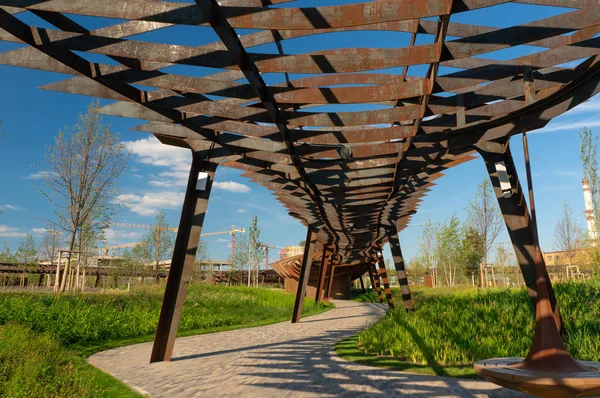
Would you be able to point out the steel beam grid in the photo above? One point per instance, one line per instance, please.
(274, 132)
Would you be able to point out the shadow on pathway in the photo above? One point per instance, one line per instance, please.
(281, 360)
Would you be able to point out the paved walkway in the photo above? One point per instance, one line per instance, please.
(280, 360)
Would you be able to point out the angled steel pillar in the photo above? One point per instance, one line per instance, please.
(384, 278)
(400, 270)
(322, 271)
(184, 255)
(362, 284)
(375, 279)
(503, 175)
(309, 249)
(330, 280)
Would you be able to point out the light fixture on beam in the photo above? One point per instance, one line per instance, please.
(202, 181)
(504, 180)
(346, 152)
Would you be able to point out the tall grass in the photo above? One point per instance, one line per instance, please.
(36, 365)
(44, 337)
(464, 327)
(92, 318)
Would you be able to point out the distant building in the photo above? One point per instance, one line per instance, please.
(556, 258)
(291, 251)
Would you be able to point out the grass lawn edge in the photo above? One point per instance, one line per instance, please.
(87, 351)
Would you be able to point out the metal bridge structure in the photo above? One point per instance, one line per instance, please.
(349, 140)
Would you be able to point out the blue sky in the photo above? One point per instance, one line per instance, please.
(156, 177)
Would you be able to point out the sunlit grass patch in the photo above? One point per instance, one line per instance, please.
(452, 328)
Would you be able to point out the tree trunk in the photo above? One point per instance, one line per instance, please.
(68, 266)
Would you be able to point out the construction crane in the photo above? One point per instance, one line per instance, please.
(267, 247)
(231, 232)
(145, 226)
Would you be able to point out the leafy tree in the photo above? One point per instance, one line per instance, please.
(255, 249)
(448, 251)
(302, 243)
(440, 248)
(588, 149)
(390, 269)
(6, 256)
(416, 270)
(51, 243)
(27, 253)
(85, 163)
(484, 217)
(471, 252)
(569, 237)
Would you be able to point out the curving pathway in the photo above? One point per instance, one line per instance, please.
(280, 360)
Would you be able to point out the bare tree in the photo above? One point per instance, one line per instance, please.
(50, 245)
(505, 261)
(255, 250)
(85, 163)
(203, 268)
(484, 217)
(240, 257)
(569, 237)
(158, 244)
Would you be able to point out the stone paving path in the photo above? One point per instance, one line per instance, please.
(280, 360)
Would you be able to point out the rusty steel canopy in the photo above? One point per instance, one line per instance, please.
(359, 168)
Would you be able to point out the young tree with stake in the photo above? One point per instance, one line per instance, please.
(85, 163)
(569, 237)
(484, 217)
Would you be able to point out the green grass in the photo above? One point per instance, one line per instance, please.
(452, 328)
(36, 365)
(74, 326)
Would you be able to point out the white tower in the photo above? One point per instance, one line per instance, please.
(589, 211)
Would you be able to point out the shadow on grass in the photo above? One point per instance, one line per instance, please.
(348, 349)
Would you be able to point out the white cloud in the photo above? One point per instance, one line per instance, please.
(151, 151)
(571, 125)
(221, 240)
(11, 207)
(11, 232)
(231, 186)
(120, 236)
(241, 210)
(39, 231)
(38, 175)
(149, 203)
(175, 178)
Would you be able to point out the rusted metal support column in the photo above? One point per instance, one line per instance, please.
(330, 280)
(322, 271)
(384, 278)
(400, 270)
(309, 249)
(375, 280)
(184, 255)
(503, 175)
